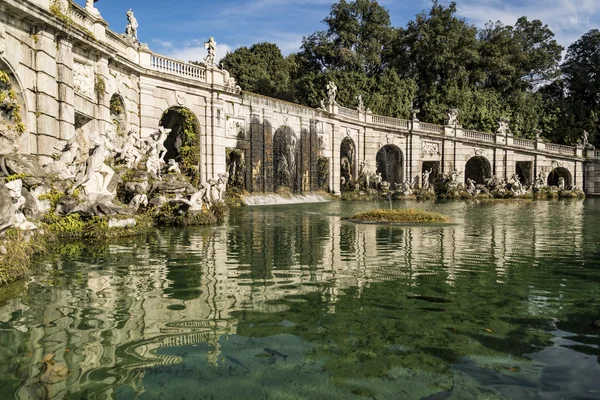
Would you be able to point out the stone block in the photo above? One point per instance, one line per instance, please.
(47, 84)
(46, 63)
(84, 105)
(47, 105)
(67, 130)
(66, 94)
(45, 144)
(64, 75)
(66, 112)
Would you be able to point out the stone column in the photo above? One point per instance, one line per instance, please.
(103, 110)
(47, 93)
(66, 94)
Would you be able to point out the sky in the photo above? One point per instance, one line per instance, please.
(179, 28)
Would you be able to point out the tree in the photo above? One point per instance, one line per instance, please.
(260, 69)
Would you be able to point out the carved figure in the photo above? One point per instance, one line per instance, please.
(222, 185)
(160, 137)
(331, 92)
(89, 6)
(132, 26)
(322, 105)
(361, 105)
(426, 179)
(153, 163)
(214, 191)
(503, 127)
(98, 174)
(15, 189)
(378, 179)
(131, 149)
(471, 188)
(538, 134)
(173, 166)
(453, 117)
(211, 46)
(414, 113)
(64, 167)
(584, 141)
(561, 183)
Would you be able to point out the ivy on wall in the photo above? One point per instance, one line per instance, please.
(9, 105)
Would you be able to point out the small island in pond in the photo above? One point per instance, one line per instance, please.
(410, 215)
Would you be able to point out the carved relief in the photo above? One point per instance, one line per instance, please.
(180, 97)
(83, 79)
(235, 128)
(478, 152)
(324, 142)
(430, 148)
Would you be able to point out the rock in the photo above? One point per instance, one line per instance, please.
(121, 223)
(158, 201)
(134, 188)
(3, 250)
(99, 208)
(20, 164)
(31, 208)
(7, 211)
(172, 187)
(65, 205)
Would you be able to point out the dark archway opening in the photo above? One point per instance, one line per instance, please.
(390, 163)
(285, 156)
(236, 167)
(524, 171)
(183, 142)
(478, 169)
(558, 173)
(118, 114)
(347, 163)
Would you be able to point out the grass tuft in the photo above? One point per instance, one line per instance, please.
(399, 216)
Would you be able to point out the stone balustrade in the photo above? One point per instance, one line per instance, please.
(560, 149)
(347, 112)
(171, 66)
(475, 135)
(389, 121)
(524, 143)
(431, 128)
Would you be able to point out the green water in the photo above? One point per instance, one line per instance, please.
(497, 305)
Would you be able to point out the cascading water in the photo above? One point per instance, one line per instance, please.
(277, 199)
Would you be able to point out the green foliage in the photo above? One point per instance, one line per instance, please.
(21, 246)
(15, 177)
(189, 152)
(9, 104)
(399, 216)
(170, 214)
(75, 226)
(323, 173)
(100, 85)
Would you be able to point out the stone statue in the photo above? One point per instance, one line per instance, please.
(64, 167)
(214, 191)
(153, 164)
(414, 113)
(426, 179)
(222, 185)
(173, 166)
(160, 137)
(378, 179)
(322, 105)
(503, 127)
(471, 188)
(211, 46)
(561, 183)
(98, 174)
(130, 153)
(331, 92)
(89, 6)
(538, 134)
(584, 141)
(15, 190)
(453, 117)
(132, 26)
(361, 105)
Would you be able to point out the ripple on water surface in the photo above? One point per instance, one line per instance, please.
(294, 302)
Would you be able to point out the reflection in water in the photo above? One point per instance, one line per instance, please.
(497, 302)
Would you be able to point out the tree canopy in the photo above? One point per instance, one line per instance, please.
(435, 62)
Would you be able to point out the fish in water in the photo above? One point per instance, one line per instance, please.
(440, 395)
(237, 362)
(275, 353)
(429, 299)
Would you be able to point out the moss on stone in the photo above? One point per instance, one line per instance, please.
(410, 215)
(20, 247)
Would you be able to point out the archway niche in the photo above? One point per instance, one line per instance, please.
(347, 162)
(13, 112)
(390, 164)
(478, 169)
(183, 142)
(524, 171)
(118, 114)
(285, 156)
(557, 173)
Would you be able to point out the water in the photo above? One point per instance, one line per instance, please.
(497, 303)
(277, 199)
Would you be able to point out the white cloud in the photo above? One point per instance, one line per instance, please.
(568, 19)
(192, 50)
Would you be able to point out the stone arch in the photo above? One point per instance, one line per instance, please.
(560, 172)
(118, 113)
(285, 158)
(183, 142)
(14, 115)
(390, 164)
(478, 169)
(347, 162)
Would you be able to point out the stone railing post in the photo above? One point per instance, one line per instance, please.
(579, 151)
(455, 131)
(369, 116)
